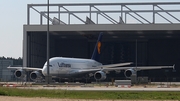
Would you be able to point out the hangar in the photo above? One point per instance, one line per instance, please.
(144, 33)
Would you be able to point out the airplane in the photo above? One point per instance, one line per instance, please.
(64, 67)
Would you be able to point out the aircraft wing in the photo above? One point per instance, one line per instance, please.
(107, 67)
(88, 70)
(153, 67)
(125, 68)
(116, 65)
(139, 68)
(25, 68)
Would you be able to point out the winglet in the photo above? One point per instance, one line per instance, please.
(174, 66)
(9, 66)
(97, 49)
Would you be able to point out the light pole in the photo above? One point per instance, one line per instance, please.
(48, 76)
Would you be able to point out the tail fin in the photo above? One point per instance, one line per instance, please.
(97, 49)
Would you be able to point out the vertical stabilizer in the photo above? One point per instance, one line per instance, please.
(97, 48)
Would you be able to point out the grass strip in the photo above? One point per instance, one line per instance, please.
(99, 95)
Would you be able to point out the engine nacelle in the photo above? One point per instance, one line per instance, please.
(100, 75)
(129, 72)
(19, 73)
(35, 75)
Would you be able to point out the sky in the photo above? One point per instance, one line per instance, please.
(13, 15)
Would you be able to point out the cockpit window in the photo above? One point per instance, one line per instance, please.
(49, 65)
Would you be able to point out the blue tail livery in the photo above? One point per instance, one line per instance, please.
(97, 49)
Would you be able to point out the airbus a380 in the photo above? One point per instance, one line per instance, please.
(71, 67)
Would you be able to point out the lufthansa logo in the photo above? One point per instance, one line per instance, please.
(64, 65)
(99, 47)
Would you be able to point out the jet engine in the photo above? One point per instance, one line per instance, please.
(100, 75)
(35, 75)
(129, 72)
(19, 73)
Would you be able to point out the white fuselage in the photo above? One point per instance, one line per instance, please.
(65, 67)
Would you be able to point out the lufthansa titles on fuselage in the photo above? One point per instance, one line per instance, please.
(64, 65)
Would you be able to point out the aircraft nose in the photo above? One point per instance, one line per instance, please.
(44, 70)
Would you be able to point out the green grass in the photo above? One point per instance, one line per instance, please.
(128, 95)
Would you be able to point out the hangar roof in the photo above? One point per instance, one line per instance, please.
(111, 31)
(117, 20)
